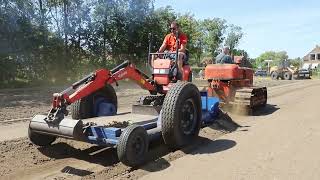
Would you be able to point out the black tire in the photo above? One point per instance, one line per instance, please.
(295, 77)
(133, 146)
(190, 77)
(83, 108)
(181, 114)
(265, 95)
(274, 75)
(287, 76)
(40, 139)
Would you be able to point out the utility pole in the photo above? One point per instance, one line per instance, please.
(268, 61)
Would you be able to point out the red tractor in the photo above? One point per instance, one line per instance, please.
(234, 86)
(96, 88)
(173, 111)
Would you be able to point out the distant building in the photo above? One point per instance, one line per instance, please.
(312, 59)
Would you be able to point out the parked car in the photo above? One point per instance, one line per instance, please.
(261, 73)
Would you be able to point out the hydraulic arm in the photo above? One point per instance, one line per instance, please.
(92, 83)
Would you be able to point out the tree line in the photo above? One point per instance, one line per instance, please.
(58, 40)
(277, 58)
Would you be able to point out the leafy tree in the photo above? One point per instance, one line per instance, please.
(296, 62)
(55, 40)
(233, 37)
(158, 25)
(191, 27)
(213, 30)
(240, 52)
(277, 58)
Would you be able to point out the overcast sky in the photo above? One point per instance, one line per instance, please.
(289, 25)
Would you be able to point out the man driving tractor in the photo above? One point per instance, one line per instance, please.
(224, 57)
(169, 44)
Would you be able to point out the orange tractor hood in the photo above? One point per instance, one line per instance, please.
(227, 72)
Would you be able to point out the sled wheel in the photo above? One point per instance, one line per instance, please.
(133, 146)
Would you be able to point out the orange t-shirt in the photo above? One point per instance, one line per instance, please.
(170, 41)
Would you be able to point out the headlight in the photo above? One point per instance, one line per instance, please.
(160, 71)
(156, 71)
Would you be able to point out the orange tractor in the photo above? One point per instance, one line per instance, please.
(234, 86)
(175, 110)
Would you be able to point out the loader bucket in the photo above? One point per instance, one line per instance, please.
(67, 128)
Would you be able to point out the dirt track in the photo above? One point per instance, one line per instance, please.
(67, 159)
(280, 143)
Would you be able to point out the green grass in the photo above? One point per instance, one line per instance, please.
(315, 75)
(197, 69)
(259, 78)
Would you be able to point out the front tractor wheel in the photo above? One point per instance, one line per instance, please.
(274, 75)
(103, 102)
(181, 114)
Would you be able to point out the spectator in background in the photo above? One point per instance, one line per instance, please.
(204, 63)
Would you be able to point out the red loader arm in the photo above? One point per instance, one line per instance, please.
(92, 83)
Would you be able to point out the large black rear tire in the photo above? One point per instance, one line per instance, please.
(133, 146)
(84, 108)
(181, 114)
(287, 76)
